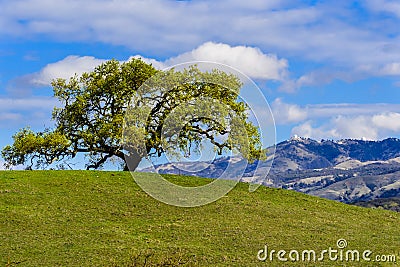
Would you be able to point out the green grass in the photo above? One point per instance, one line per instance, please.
(90, 218)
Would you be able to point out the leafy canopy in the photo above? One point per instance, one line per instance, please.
(131, 110)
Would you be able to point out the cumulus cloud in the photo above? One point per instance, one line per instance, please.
(250, 60)
(337, 121)
(156, 64)
(358, 127)
(388, 121)
(338, 128)
(307, 129)
(65, 68)
(287, 113)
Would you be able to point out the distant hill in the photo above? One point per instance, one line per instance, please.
(305, 153)
(391, 203)
(346, 170)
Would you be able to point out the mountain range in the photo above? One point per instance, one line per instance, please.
(345, 170)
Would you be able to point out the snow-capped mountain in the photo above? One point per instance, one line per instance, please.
(345, 170)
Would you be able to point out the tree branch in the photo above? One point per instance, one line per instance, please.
(99, 163)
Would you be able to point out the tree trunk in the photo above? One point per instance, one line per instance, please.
(132, 162)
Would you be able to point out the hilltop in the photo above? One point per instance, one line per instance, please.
(91, 218)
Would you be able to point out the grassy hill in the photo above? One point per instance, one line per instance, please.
(90, 218)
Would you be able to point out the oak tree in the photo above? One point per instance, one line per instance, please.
(130, 111)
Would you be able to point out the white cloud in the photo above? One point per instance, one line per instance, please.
(391, 69)
(337, 121)
(339, 128)
(65, 68)
(291, 113)
(388, 121)
(249, 60)
(156, 64)
(374, 127)
(323, 32)
(358, 127)
(307, 129)
(287, 113)
(388, 6)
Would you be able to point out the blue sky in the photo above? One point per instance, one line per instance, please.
(329, 69)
